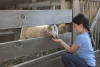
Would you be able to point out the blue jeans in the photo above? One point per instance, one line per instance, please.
(70, 60)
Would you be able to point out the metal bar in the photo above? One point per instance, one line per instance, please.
(98, 34)
(94, 0)
(20, 18)
(95, 35)
(40, 60)
(90, 0)
(95, 20)
(15, 49)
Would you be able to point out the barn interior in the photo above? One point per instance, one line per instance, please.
(11, 36)
(14, 34)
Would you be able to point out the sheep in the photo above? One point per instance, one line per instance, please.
(45, 30)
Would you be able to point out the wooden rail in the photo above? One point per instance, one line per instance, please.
(42, 61)
(53, 60)
(20, 18)
(35, 46)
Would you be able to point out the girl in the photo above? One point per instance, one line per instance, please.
(82, 46)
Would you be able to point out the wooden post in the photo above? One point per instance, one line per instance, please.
(54, 7)
(76, 7)
(76, 10)
(71, 4)
(34, 8)
(63, 4)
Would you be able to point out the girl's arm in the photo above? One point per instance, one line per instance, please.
(71, 49)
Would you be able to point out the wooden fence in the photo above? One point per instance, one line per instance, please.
(35, 47)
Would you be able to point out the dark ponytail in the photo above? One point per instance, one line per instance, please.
(81, 19)
(89, 32)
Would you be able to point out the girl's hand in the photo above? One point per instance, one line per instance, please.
(57, 40)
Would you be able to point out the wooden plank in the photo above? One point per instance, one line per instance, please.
(9, 19)
(48, 17)
(15, 49)
(44, 61)
(42, 4)
(20, 18)
(38, 4)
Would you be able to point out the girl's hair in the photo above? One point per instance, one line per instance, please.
(81, 19)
